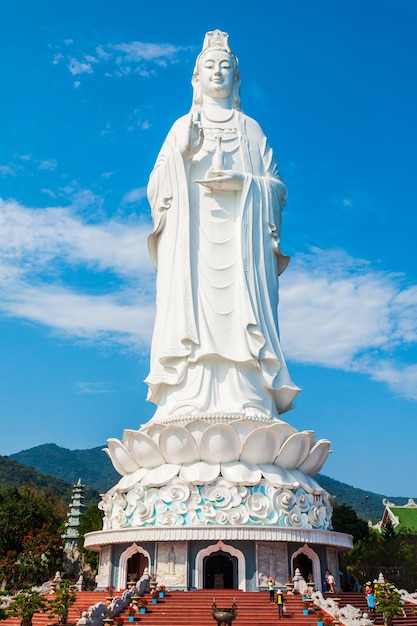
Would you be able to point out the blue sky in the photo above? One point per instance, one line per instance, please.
(89, 91)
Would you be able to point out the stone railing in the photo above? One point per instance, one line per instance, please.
(101, 611)
(347, 615)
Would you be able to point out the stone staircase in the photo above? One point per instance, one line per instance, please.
(193, 608)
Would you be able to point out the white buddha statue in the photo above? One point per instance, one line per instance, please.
(216, 198)
(216, 452)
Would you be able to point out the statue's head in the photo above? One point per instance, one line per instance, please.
(219, 41)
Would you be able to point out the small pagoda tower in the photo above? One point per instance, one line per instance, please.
(75, 510)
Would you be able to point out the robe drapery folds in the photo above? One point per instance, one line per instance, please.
(178, 342)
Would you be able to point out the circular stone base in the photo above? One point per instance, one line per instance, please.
(95, 540)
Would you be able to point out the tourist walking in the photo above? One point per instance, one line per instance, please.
(280, 603)
(331, 582)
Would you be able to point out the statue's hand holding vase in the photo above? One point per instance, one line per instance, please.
(222, 180)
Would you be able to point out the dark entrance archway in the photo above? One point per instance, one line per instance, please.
(304, 564)
(135, 566)
(220, 571)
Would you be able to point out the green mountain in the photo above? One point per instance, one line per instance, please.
(97, 473)
(92, 466)
(14, 474)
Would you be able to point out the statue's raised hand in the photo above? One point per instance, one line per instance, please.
(194, 138)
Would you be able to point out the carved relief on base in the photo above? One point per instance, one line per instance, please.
(171, 563)
(272, 560)
(104, 568)
(220, 502)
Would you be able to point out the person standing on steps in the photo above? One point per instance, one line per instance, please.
(331, 582)
(280, 603)
(271, 589)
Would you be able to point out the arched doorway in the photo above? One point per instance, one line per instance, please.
(220, 571)
(132, 561)
(135, 566)
(304, 564)
(308, 562)
(239, 564)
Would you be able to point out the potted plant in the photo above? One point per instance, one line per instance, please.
(154, 596)
(306, 606)
(118, 620)
(290, 587)
(25, 604)
(161, 590)
(132, 581)
(110, 591)
(142, 604)
(64, 598)
(328, 621)
(320, 618)
(131, 613)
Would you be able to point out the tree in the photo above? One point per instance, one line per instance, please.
(22, 510)
(25, 604)
(388, 602)
(64, 598)
(40, 556)
(345, 520)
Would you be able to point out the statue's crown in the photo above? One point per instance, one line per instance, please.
(216, 39)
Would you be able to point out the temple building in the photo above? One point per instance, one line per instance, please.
(402, 517)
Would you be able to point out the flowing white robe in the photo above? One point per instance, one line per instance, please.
(215, 346)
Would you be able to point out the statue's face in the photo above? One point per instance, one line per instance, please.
(216, 74)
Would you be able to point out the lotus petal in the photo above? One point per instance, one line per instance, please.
(160, 475)
(293, 451)
(243, 428)
(129, 480)
(219, 444)
(261, 446)
(197, 427)
(316, 458)
(200, 473)
(120, 457)
(278, 476)
(307, 483)
(241, 473)
(143, 449)
(312, 437)
(284, 430)
(178, 446)
(154, 431)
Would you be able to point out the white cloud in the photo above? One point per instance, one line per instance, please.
(127, 57)
(338, 312)
(7, 170)
(79, 67)
(109, 318)
(48, 164)
(33, 239)
(93, 387)
(138, 51)
(134, 196)
(43, 247)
